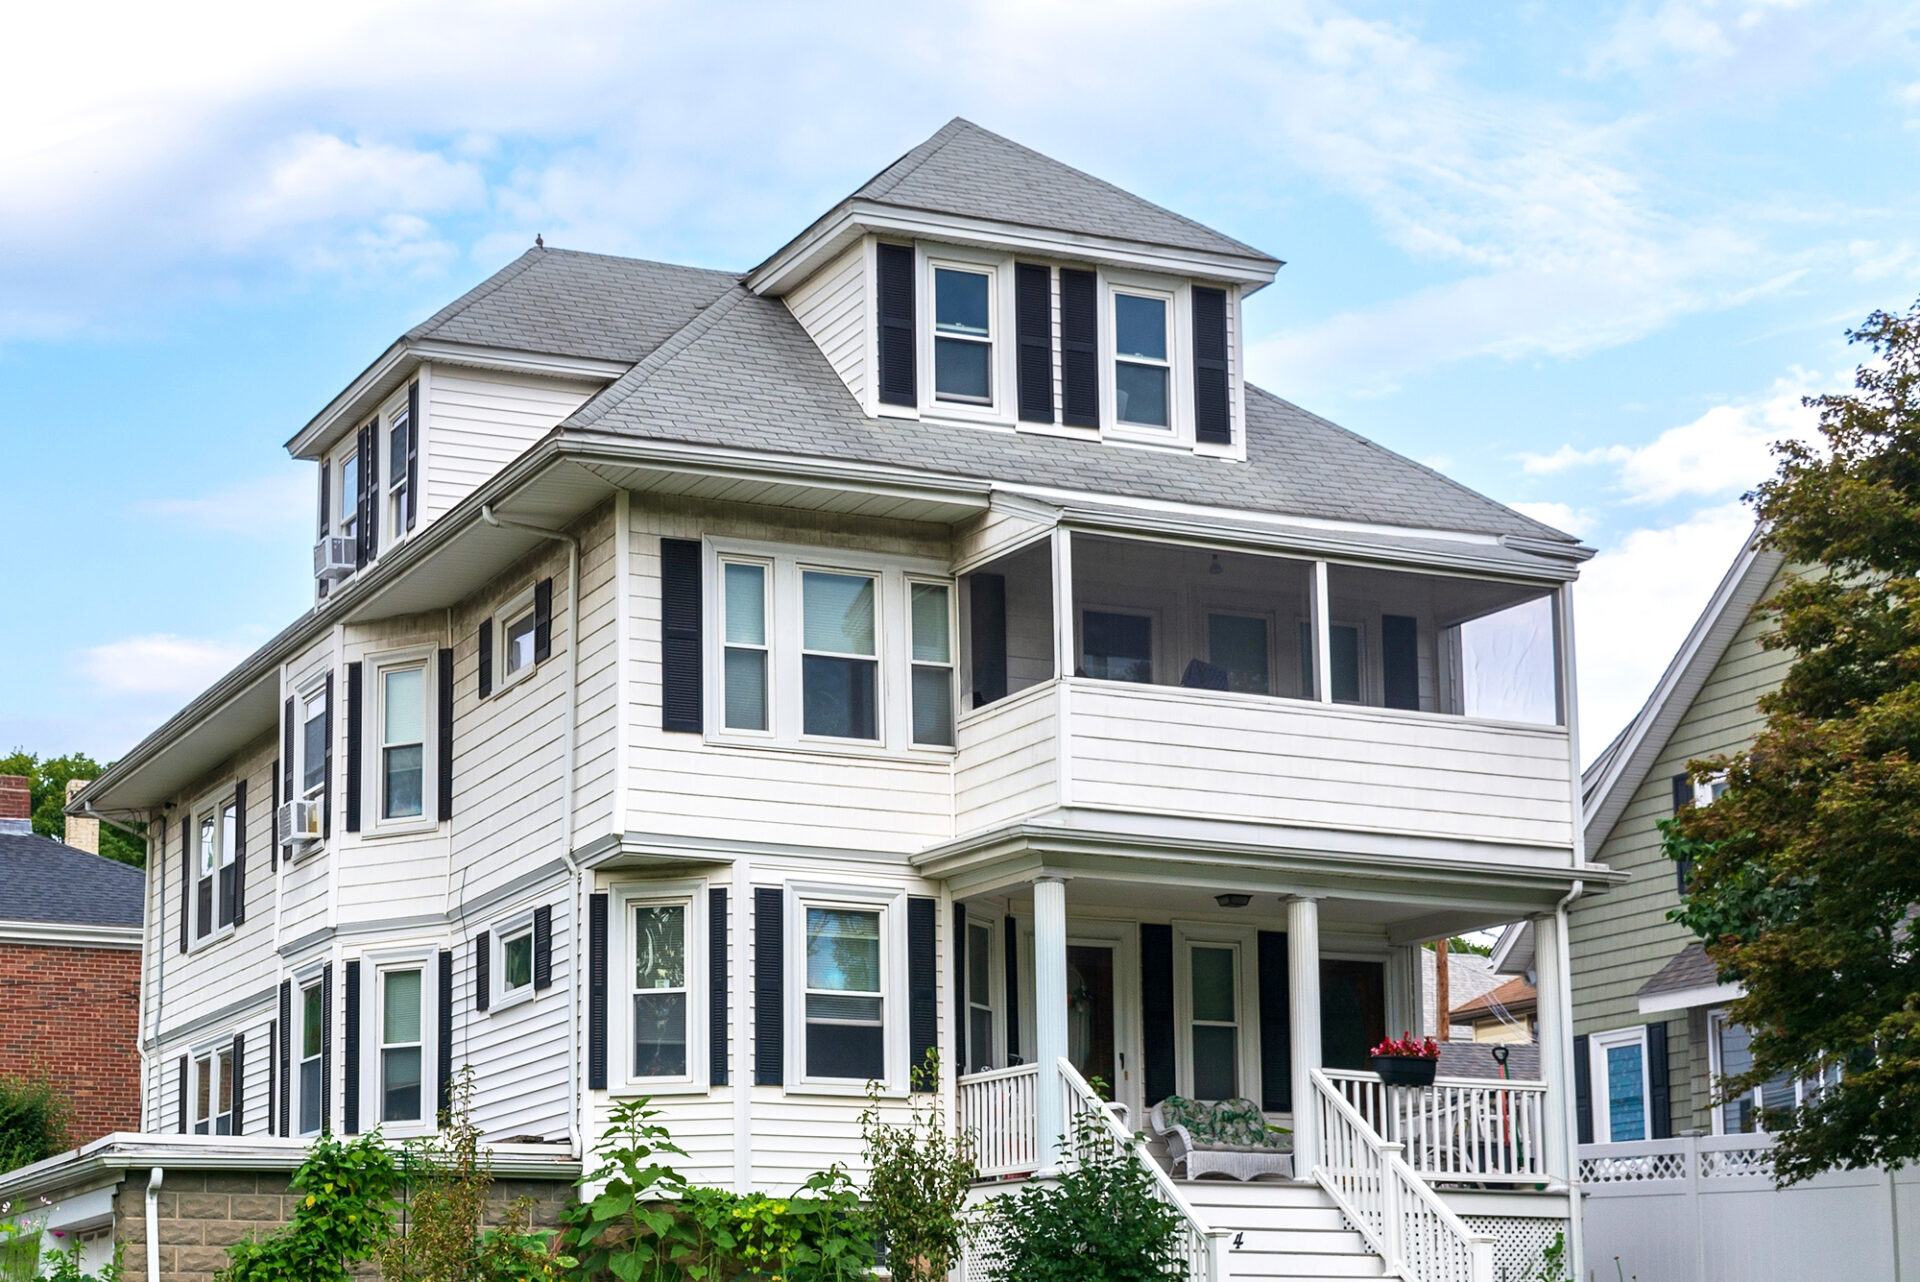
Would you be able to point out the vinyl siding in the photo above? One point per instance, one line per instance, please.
(1620, 940)
(831, 305)
(479, 421)
(1008, 764)
(518, 1052)
(597, 716)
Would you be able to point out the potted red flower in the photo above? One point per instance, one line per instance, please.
(1406, 1060)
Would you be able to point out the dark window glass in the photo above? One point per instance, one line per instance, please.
(1116, 647)
(1238, 643)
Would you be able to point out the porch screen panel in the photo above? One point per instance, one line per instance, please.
(1353, 1011)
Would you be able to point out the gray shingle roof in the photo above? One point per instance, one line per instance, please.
(565, 303)
(746, 375)
(45, 880)
(1690, 968)
(968, 171)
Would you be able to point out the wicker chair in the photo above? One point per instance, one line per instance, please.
(1228, 1138)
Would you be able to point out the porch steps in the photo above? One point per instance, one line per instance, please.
(1288, 1230)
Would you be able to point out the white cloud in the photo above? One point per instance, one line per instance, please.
(267, 505)
(159, 664)
(1633, 605)
(1560, 516)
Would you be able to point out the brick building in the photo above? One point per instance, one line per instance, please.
(69, 966)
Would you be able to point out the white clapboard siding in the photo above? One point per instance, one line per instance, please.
(518, 1052)
(478, 421)
(596, 731)
(831, 305)
(1009, 762)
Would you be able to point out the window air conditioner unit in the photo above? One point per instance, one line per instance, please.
(333, 558)
(299, 823)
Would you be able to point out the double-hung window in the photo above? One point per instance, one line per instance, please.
(213, 1090)
(399, 496)
(1618, 1072)
(313, 743)
(217, 834)
(1765, 1107)
(402, 762)
(963, 335)
(1142, 367)
(931, 607)
(746, 586)
(839, 668)
(1213, 974)
(402, 1048)
(658, 941)
(313, 1082)
(845, 993)
(347, 503)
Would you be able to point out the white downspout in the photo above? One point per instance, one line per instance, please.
(1569, 1116)
(153, 1223)
(576, 1098)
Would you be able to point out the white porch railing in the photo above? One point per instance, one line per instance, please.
(1460, 1128)
(1395, 1210)
(1203, 1249)
(997, 1111)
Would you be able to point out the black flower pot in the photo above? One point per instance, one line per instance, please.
(1405, 1070)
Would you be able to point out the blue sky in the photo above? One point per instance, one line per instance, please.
(1583, 258)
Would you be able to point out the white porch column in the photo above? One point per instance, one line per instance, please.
(1050, 1012)
(1303, 1027)
(1556, 1042)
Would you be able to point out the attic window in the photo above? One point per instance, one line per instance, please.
(1141, 370)
(962, 336)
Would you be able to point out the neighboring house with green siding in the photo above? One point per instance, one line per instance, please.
(1646, 999)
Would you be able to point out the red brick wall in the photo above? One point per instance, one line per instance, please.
(75, 1013)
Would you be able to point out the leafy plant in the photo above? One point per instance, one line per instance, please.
(1100, 1220)
(918, 1181)
(64, 1266)
(347, 1211)
(47, 787)
(34, 1119)
(20, 1242)
(1554, 1266)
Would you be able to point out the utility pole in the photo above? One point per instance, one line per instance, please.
(1442, 992)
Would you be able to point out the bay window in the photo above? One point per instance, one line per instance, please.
(661, 947)
(963, 335)
(660, 991)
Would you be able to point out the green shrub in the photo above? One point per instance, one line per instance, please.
(1100, 1220)
(917, 1184)
(34, 1119)
(345, 1213)
(64, 1266)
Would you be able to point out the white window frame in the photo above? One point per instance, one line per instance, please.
(1176, 294)
(373, 1100)
(302, 984)
(499, 996)
(992, 341)
(208, 1059)
(1002, 372)
(1244, 941)
(345, 515)
(878, 658)
(1156, 638)
(1803, 1090)
(396, 496)
(519, 605)
(1597, 1046)
(1239, 606)
(892, 906)
(312, 692)
(1710, 789)
(213, 806)
(765, 649)
(952, 663)
(995, 1003)
(374, 822)
(893, 651)
(692, 895)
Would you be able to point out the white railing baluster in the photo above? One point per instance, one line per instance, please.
(1459, 1128)
(996, 1110)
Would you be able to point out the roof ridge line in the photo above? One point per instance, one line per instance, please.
(643, 369)
(945, 134)
(512, 271)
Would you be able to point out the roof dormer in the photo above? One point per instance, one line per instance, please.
(979, 282)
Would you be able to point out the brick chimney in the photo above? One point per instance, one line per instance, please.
(16, 806)
(83, 832)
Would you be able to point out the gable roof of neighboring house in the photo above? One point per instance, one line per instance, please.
(43, 880)
(971, 172)
(1690, 979)
(1515, 997)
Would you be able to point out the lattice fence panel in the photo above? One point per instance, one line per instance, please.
(1725, 1163)
(1633, 1170)
(1520, 1243)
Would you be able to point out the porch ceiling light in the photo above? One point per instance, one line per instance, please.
(1233, 899)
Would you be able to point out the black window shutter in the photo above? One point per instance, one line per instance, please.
(273, 1076)
(987, 626)
(483, 970)
(350, 1052)
(1582, 1090)
(542, 620)
(326, 1049)
(371, 467)
(1276, 1041)
(326, 478)
(961, 1062)
(443, 1104)
(1682, 798)
(444, 774)
(240, 852)
(1033, 331)
(484, 665)
(1013, 992)
(1156, 1010)
(360, 549)
(717, 985)
(893, 265)
(1079, 348)
(413, 452)
(923, 990)
(680, 644)
(355, 693)
(597, 992)
(273, 819)
(1400, 661)
(186, 877)
(769, 997)
(1212, 412)
(286, 766)
(326, 786)
(1659, 1085)
(542, 948)
(239, 1083)
(283, 1080)
(185, 1068)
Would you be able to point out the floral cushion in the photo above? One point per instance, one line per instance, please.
(1232, 1121)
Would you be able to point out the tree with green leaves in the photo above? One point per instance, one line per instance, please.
(48, 781)
(1806, 872)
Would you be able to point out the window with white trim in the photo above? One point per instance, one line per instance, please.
(516, 961)
(312, 1080)
(963, 306)
(1617, 1070)
(661, 949)
(1213, 973)
(401, 1043)
(216, 836)
(400, 497)
(515, 627)
(347, 499)
(213, 1091)
(312, 772)
(931, 608)
(839, 655)
(845, 992)
(982, 995)
(1709, 790)
(1142, 325)
(1766, 1106)
(744, 658)
(403, 753)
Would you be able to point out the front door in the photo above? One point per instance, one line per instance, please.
(1091, 975)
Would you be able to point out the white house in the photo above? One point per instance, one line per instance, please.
(729, 687)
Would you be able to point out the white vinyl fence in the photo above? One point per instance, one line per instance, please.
(1705, 1210)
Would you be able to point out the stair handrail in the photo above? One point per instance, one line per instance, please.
(1206, 1246)
(1398, 1213)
